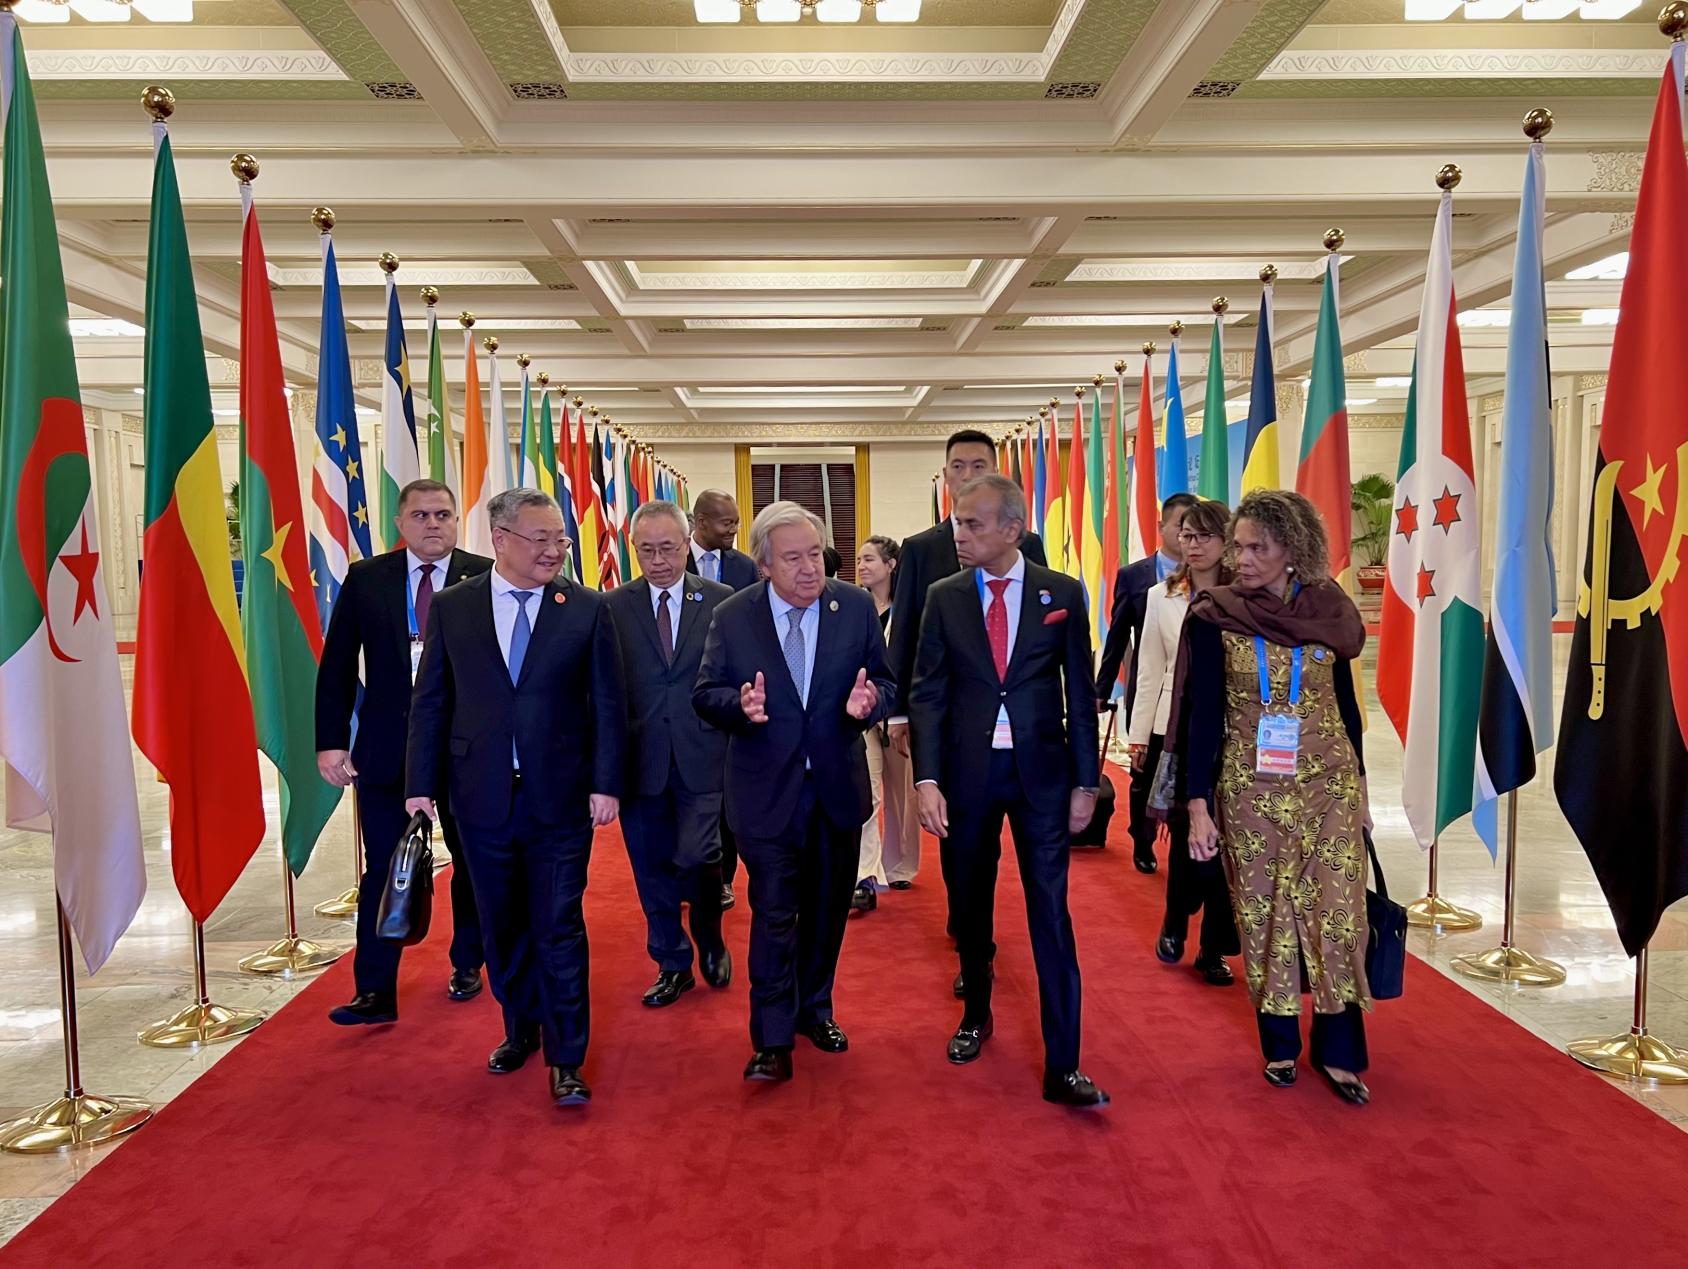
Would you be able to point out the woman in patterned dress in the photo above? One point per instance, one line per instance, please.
(1277, 786)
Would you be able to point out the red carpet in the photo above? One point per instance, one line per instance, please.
(317, 1146)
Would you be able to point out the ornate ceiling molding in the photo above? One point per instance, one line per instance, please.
(1461, 63)
(297, 64)
(1616, 171)
(355, 275)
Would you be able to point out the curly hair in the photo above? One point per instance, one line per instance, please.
(1294, 523)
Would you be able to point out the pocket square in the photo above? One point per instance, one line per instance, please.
(1055, 618)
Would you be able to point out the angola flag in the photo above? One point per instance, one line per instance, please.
(278, 613)
(193, 708)
(1621, 772)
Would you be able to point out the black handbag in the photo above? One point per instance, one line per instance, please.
(1094, 835)
(407, 900)
(1386, 944)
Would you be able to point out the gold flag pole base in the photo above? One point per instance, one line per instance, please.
(202, 1022)
(66, 1123)
(291, 955)
(1511, 965)
(1634, 1055)
(343, 907)
(1433, 912)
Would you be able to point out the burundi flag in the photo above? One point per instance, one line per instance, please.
(1430, 653)
(1145, 506)
(193, 706)
(62, 729)
(480, 465)
(442, 442)
(278, 613)
(1621, 771)
(400, 461)
(1175, 456)
(1215, 479)
(339, 504)
(1260, 447)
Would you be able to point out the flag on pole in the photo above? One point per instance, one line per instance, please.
(1057, 521)
(609, 555)
(1146, 507)
(569, 485)
(1078, 471)
(1098, 497)
(1515, 719)
(1215, 479)
(530, 474)
(278, 615)
(1323, 475)
(627, 499)
(1621, 771)
(503, 467)
(1040, 481)
(1115, 499)
(62, 728)
(442, 441)
(193, 707)
(1260, 448)
(479, 462)
(1175, 474)
(546, 433)
(400, 459)
(1430, 653)
(339, 512)
(591, 515)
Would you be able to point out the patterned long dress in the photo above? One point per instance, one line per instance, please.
(1292, 846)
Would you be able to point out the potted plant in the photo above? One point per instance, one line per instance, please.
(1373, 499)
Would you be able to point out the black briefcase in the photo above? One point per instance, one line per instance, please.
(1386, 942)
(1095, 834)
(407, 901)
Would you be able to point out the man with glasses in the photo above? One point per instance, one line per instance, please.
(671, 815)
(518, 711)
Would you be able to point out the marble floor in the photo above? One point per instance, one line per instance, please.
(1561, 914)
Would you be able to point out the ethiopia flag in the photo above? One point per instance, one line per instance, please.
(1621, 773)
(193, 708)
(278, 610)
(1430, 653)
(62, 730)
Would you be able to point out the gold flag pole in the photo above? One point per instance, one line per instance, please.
(201, 1022)
(1433, 912)
(1636, 1054)
(79, 1118)
(1506, 963)
(344, 906)
(290, 954)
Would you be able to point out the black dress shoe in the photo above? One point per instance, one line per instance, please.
(864, 900)
(960, 987)
(969, 1040)
(1351, 1091)
(827, 1036)
(567, 1088)
(1214, 970)
(717, 967)
(669, 986)
(727, 898)
(1072, 1088)
(902, 885)
(465, 984)
(367, 1009)
(1169, 949)
(770, 1065)
(1146, 863)
(1280, 1076)
(512, 1055)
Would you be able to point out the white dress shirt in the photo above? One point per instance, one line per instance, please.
(505, 607)
(414, 578)
(676, 594)
(1012, 597)
(810, 625)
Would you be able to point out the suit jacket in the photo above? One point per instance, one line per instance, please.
(370, 618)
(738, 570)
(1157, 655)
(566, 714)
(927, 557)
(664, 731)
(765, 760)
(956, 694)
(1131, 601)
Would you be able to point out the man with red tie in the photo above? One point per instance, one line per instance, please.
(1002, 714)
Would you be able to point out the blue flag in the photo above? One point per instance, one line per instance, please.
(1174, 473)
(339, 516)
(1040, 479)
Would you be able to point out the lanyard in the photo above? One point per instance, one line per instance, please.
(410, 605)
(1265, 680)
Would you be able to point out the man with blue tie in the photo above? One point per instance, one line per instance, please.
(518, 711)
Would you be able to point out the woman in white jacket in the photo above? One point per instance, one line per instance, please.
(1191, 885)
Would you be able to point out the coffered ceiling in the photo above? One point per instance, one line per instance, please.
(900, 227)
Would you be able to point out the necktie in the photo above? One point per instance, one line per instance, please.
(520, 634)
(795, 656)
(665, 628)
(996, 625)
(424, 597)
(712, 566)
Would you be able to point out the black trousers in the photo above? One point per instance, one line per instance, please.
(375, 965)
(1143, 828)
(530, 879)
(674, 846)
(1040, 844)
(1339, 1039)
(800, 888)
(1195, 885)
(729, 854)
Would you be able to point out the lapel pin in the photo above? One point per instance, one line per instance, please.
(558, 598)
(1043, 598)
(833, 606)
(696, 596)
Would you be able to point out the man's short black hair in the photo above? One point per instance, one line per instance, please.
(1177, 502)
(968, 436)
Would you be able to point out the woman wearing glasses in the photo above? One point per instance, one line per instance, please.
(1192, 885)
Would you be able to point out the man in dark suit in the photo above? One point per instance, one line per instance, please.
(381, 615)
(1004, 715)
(794, 672)
(928, 557)
(518, 711)
(715, 526)
(671, 815)
(1131, 601)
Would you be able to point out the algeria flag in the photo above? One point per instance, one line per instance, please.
(1430, 653)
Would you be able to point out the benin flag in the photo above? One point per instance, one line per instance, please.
(278, 606)
(62, 729)
(1215, 479)
(1323, 474)
(1621, 773)
(193, 708)
(1430, 654)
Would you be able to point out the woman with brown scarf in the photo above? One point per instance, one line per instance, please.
(1268, 737)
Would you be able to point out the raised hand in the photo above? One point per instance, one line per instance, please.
(864, 697)
(753, 699)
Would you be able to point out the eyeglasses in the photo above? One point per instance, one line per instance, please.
(659, 551)
(541, 541)
(1196, 539)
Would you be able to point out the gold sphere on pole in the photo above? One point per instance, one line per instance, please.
(1220, 305)
(322, 218)
(1043, 411)
(523, 360)
(543, 379)
(389, 262)
(579, 401)
(1054, 403)
(1333, 239)
(490, 343)
(1079, 392)
(1119, 366)
(1176, 329)
(466, 319)
(592, 410)
(1673, 20)
(1097, 379)
(430, 295)
(563, 392)
(1539, 122)
(1148, 348)
(245, 168)
(1448, 176)
(1268, 273)
(158, 101)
